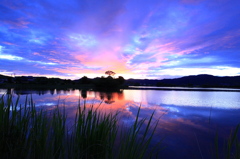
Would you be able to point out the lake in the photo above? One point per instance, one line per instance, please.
(189, 118)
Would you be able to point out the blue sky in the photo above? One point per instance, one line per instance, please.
(135, 38)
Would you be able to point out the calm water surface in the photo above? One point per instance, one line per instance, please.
(188, 123)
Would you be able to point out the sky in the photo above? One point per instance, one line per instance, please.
(152, 39)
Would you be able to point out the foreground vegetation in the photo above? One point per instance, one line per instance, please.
(232, 146)
(29, 132)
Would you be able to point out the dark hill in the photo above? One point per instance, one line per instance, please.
(202, 81)
(141, 82)
(2, 76)
(190, 81)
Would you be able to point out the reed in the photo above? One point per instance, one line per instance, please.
(232, 146)
(131, 145)
(29, 132)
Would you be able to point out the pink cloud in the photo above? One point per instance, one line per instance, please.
(36, 53)
(191, 1)
(7, 43)
(17, 24)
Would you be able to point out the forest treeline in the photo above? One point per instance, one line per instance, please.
(111, 82)
(107, 83)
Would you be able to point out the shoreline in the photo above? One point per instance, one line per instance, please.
(92, 87)
(184, 89)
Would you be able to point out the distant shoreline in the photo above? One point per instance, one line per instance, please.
(92, 87)
(184, 89)
(46, 86)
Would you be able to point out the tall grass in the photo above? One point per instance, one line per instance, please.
(131, 146)
(26, 132)
(232, 146)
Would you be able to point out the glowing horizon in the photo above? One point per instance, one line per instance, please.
(136, 39)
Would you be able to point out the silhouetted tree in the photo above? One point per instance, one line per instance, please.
(120, 80)
(110, 73)
(85, 80)
(108, 83)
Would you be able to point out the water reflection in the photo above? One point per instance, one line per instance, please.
(218, 99)
(188, 119)
(84, 94)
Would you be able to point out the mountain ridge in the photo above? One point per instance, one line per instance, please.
(202, 80)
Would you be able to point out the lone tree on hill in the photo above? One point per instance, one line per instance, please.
(110, 73)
